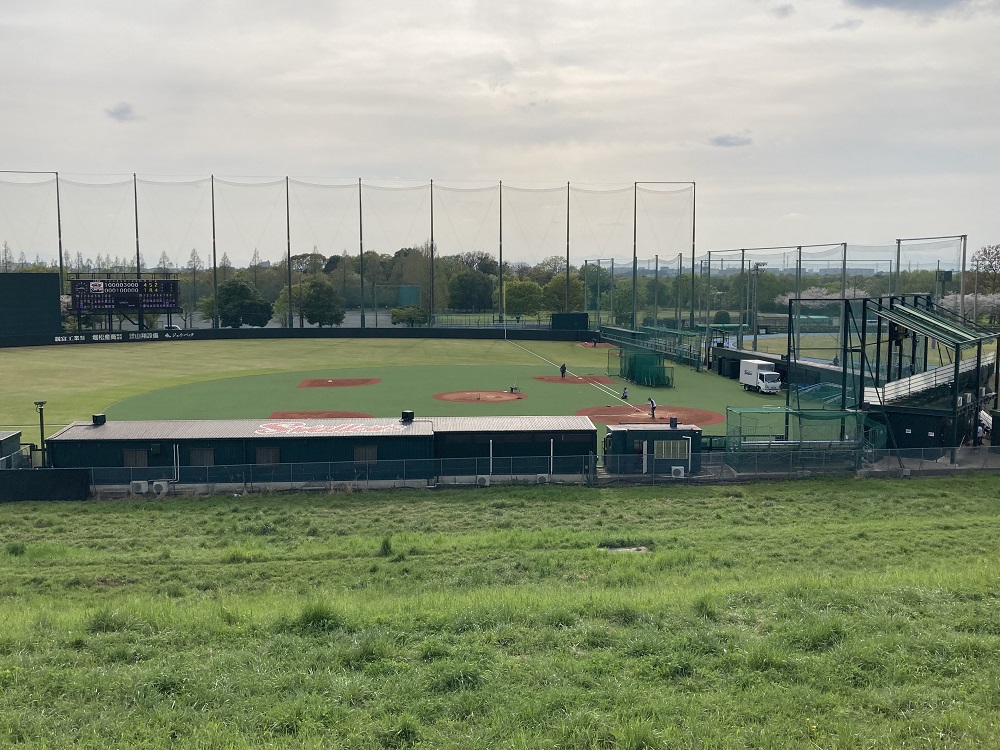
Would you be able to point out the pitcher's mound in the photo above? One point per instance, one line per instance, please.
(625, 414)
(318, 415)
(581, 380)
(337, 382)
(488, 397)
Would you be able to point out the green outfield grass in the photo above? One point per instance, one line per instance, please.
(252, 379)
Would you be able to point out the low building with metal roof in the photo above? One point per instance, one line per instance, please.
(297, 451)
(141, 444)
(542, 446)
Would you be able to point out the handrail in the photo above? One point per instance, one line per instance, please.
(922, 381)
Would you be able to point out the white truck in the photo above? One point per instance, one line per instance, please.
(759, 375)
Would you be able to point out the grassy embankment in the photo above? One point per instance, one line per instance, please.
(812, 614)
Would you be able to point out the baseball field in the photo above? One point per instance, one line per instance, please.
(832, 613)
(297, 378)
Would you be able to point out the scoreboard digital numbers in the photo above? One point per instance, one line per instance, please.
(152, 295)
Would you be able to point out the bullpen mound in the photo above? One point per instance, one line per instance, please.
(487, 397)
(337, 382)
(318, 414)
(576, 380)
(639, 414)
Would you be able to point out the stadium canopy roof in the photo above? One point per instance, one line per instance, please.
(935, 322)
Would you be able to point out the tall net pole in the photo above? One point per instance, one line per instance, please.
(693, 223)
(500, 305)
(432, 256)
(677, 286)
(138, 256)
(961, 281)
(215, 268)
(288, 253)
(59, 235)
(567, 246)
(361, 250)
(635, 262)
(656, 290)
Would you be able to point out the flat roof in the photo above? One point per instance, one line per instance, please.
(651, 427)
(511, 424)
(214, 429)
(236, 429)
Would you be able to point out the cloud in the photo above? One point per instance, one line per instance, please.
(849, 24)
(730, 140)
(784, 11)
(923, 7)
(122, 112)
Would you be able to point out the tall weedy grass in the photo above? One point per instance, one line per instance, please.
(820, 613)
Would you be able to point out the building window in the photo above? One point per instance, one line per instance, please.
(202, 457)
(268, 455)
(134, 459)
(671, 449)
(366, 453)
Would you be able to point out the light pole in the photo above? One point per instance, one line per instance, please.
(40, 408)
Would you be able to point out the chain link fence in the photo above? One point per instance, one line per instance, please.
(716, 467)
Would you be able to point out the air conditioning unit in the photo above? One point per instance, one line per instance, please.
(139, 486)
(483, 481)
(542, 479)
(677, 472)
(161, 488)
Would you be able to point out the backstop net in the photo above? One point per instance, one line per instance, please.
(761, 428)
(641, 366)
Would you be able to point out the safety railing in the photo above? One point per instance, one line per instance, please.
(19, 459)
(924, 381)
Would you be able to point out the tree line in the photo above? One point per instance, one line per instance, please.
(323, 287)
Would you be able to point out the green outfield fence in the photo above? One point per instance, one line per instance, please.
(227, 334)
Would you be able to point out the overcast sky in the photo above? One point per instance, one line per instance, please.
(801, 122)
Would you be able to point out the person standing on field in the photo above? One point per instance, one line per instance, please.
(562, 370)
(652, 408)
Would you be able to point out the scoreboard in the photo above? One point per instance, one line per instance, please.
(151, 295)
